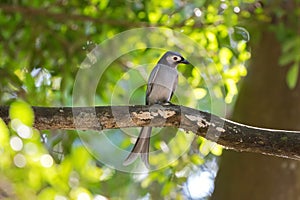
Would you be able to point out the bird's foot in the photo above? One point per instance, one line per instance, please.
(168, 103)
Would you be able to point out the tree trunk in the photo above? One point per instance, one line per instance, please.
(264, 101)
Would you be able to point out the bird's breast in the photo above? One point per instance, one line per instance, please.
(163, 84)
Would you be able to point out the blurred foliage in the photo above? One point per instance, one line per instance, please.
(42, 46)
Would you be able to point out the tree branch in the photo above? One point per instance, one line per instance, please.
(63, 17)
(229, 134)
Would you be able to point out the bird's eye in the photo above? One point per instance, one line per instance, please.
(176, 58)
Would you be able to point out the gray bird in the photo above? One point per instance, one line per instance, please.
(160, 88)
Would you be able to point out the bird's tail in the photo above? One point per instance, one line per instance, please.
(141, 147)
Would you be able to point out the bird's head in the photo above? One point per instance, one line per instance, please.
(172, 59)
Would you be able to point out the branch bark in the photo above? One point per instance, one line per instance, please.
(227, 133)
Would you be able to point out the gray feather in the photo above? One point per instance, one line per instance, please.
(141, 147)
(160, 88)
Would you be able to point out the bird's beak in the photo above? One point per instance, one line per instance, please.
(185, 62)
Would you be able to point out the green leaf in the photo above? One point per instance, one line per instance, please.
(4, 136)
(287, 58)
(22, 111)
(289, 44)
(292, 75)
(217, 150)
(196, 159)
(167, 188)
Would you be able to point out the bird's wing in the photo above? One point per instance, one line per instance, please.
(174, 87)
(151, 81)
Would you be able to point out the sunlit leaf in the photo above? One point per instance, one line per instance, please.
(20, 110)
(205, 147)
(47, 193)
(196, 159)
(4, 136)
(80, 193)
(167, 188)
(225, 56)
(217, 150)
(200, 93)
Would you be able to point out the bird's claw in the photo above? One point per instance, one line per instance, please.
(168, 103)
